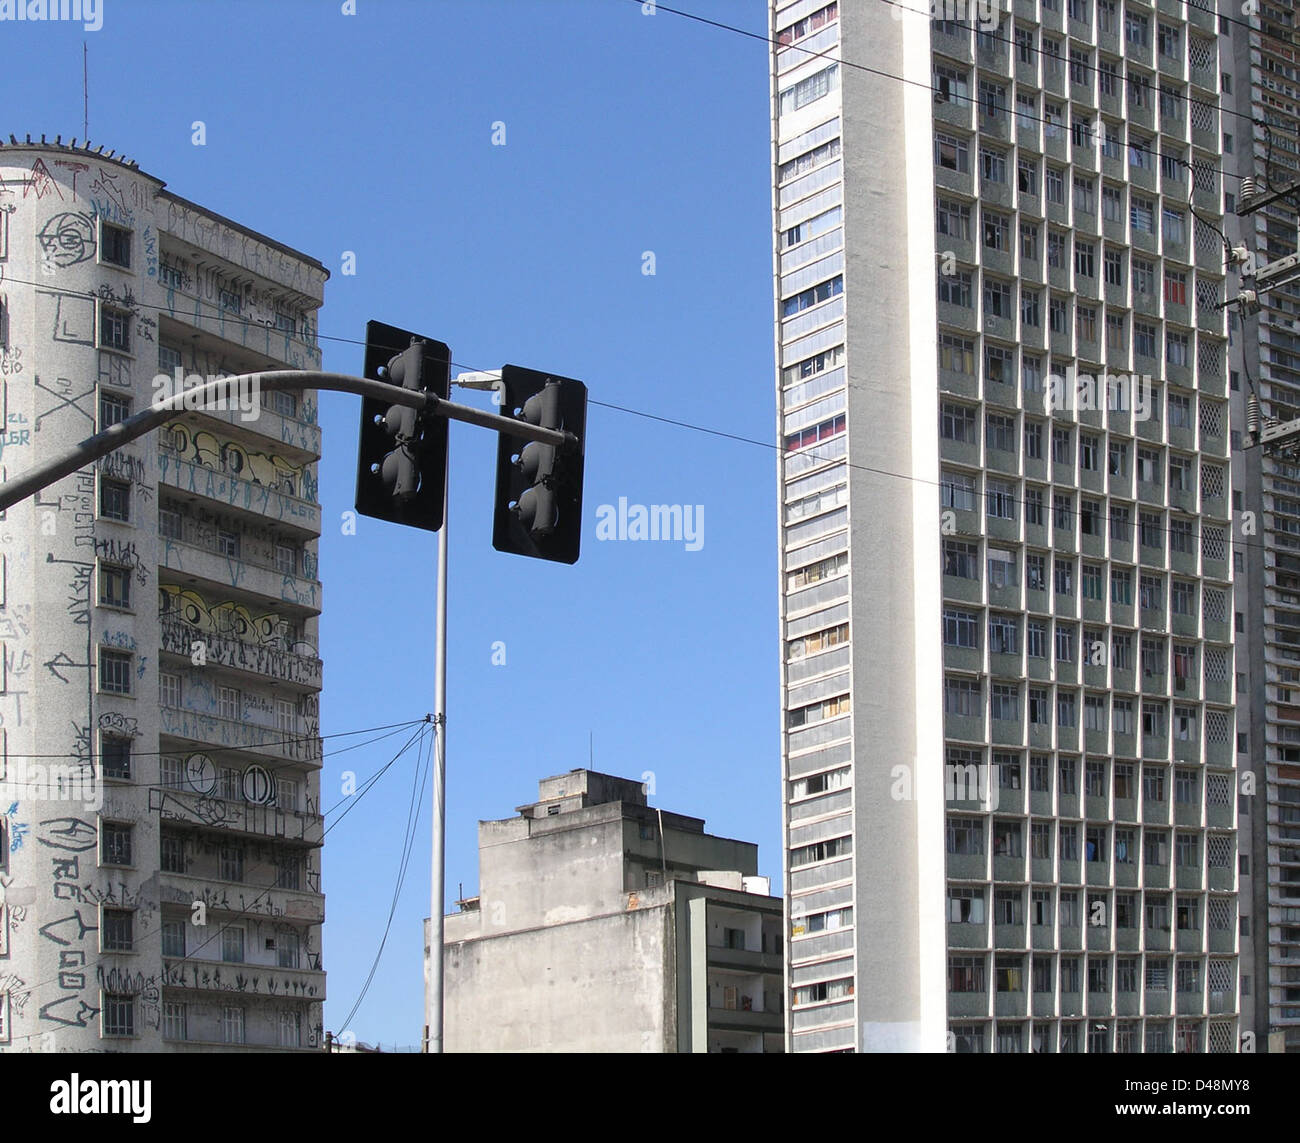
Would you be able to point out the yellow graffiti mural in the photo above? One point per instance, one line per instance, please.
(230, 619)
(268, 469)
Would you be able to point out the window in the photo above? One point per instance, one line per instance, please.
(808, 90)
(1005, 703)
(114, 329)
(812, 296)
(965, 974)
(1034, 506)
(117, 1013)
(1056, 185)
(174, 1020)
(1031, 304)
(966, 906)
(1069, 914)
(228, 704)
(1113, 270)
(169, 524)
(1033, 440)
(997, 230)
(232, 863)
(1035, 572)
(956, 355)
(957, 423)
(1001, 499)
(114, 672)
(172, 854)
(114, 499)
(113, 409)
(291, 1029)
(232, 1023)
(997, 298)
(288, 872)
(115, 844)
(287, 949)
(957, 489)
(117, 930)
(821, 851)
(169, 689)
(114, 586)
(951, 153)
(1121, 517)
(993, 165)
(1000, 432)
(1039, 709)
(965, 836)
(952, 84)
(1002, 568)
(1055, 250)
(173, 938)
(961, 697)
(232, 944)
(115, 756)
(114, 245)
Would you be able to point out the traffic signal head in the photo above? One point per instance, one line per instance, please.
(539, 486)
(402, 461)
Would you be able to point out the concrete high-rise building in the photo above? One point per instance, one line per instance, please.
(160, 749)
(605, 925)
(1262, 139)
(1010, 746)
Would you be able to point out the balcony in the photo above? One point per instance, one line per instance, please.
(248, 900)
(720, 956)
(257, 660)
(223, 572)
(248, 980)
(232, 492)
(209, 730)
(264, 822)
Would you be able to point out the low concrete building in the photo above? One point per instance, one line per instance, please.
(605, 925)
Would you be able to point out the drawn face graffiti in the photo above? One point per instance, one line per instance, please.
(68, 238)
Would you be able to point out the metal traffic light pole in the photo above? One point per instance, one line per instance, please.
(437, 904)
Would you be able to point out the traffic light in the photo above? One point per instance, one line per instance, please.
(539, 486)
(402, 460)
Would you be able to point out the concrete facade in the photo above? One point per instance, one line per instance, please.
(603, 925)
(159, 743)
(1007, 591)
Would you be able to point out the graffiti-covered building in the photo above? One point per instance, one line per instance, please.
(160, 821)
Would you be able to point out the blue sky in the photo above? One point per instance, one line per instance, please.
(624, 133)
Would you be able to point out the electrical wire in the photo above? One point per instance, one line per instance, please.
(412, 821)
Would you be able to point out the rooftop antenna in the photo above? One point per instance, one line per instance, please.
(85, 93)
(591, 750)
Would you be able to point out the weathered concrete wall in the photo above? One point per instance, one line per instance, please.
(594, 985)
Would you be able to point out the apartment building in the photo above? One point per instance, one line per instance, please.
(605, 925)
(159, 742)
(1008, 593)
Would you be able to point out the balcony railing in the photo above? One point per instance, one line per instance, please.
(207, 812)
(249, 900)
(209, 730)
(253, 980)
(256, 659)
